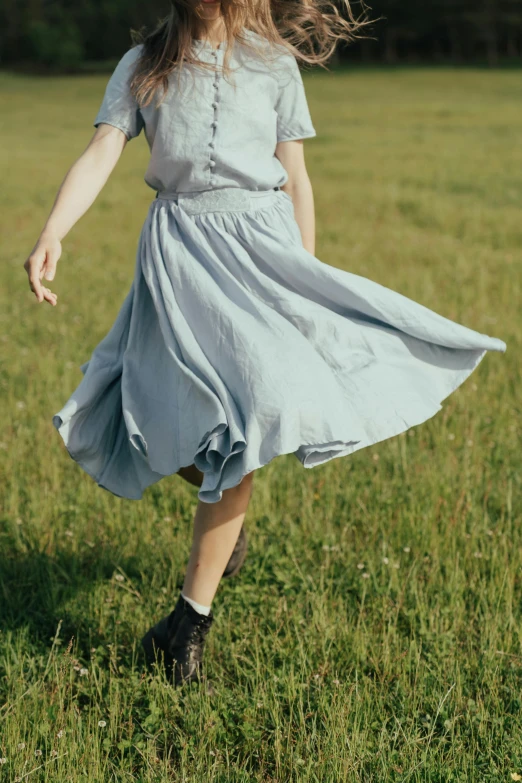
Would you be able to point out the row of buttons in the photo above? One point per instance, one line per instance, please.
(215, 84)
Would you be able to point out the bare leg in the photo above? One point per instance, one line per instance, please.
(216, 530)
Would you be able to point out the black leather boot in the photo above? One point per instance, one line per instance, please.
(178, 642)
(238, 556)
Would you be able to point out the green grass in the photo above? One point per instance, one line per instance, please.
(331, 664)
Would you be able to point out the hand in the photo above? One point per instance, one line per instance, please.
(42, 261)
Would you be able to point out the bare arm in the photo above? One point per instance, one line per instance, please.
(78, 191)
(299, 187)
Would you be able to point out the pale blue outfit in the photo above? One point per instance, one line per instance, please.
(234, 344)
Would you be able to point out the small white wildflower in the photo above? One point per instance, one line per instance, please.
(20, 404)
(21, 745)
(316, 676)
(375, 457)
(259, 704)
(489, 532)
(102, 724)
(3, 760)
(167, 519)
(366, 575)
(60, 733)
(54, 753)
(406, 549)
(69, 533)
(385, 560)
(336, 682)
(76, 668)
(211, 753)
(469, 442)
(84, 672)
(477, 554)
(360, 565)
(119, 578)
(38, 753)
(396, 565)
(451, 436)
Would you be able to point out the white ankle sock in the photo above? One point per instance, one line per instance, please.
(198, 607)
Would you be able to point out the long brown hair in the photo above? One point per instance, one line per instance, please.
(309, 29)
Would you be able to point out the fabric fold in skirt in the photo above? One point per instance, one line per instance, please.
(235, 345)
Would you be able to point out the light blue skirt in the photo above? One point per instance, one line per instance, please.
(235, 345)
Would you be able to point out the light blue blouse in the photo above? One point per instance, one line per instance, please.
(211, 132)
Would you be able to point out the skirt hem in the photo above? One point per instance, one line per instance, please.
(332, 449)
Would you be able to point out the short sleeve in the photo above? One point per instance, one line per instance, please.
(293, 114)
(119, 107)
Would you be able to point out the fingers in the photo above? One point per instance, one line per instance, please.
(50, 297)
(42, 262)
(41, 292)
(33, 266)
(44, 294)
(35, 285)
(49, 268)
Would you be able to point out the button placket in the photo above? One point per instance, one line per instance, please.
(214, 123)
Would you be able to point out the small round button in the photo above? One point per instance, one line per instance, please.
(214, 124)
(211, 144)
(215, 104)
(215, 84)
(212, 163)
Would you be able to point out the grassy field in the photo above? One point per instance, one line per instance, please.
(374, 633)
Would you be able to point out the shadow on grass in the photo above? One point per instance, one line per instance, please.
(75, 588)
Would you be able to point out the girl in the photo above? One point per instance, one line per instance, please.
(234, 344)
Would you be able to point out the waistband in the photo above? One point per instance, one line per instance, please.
(222, 199)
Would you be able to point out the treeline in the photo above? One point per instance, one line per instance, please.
(64, 34)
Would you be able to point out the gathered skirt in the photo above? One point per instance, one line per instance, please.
(235, 345)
